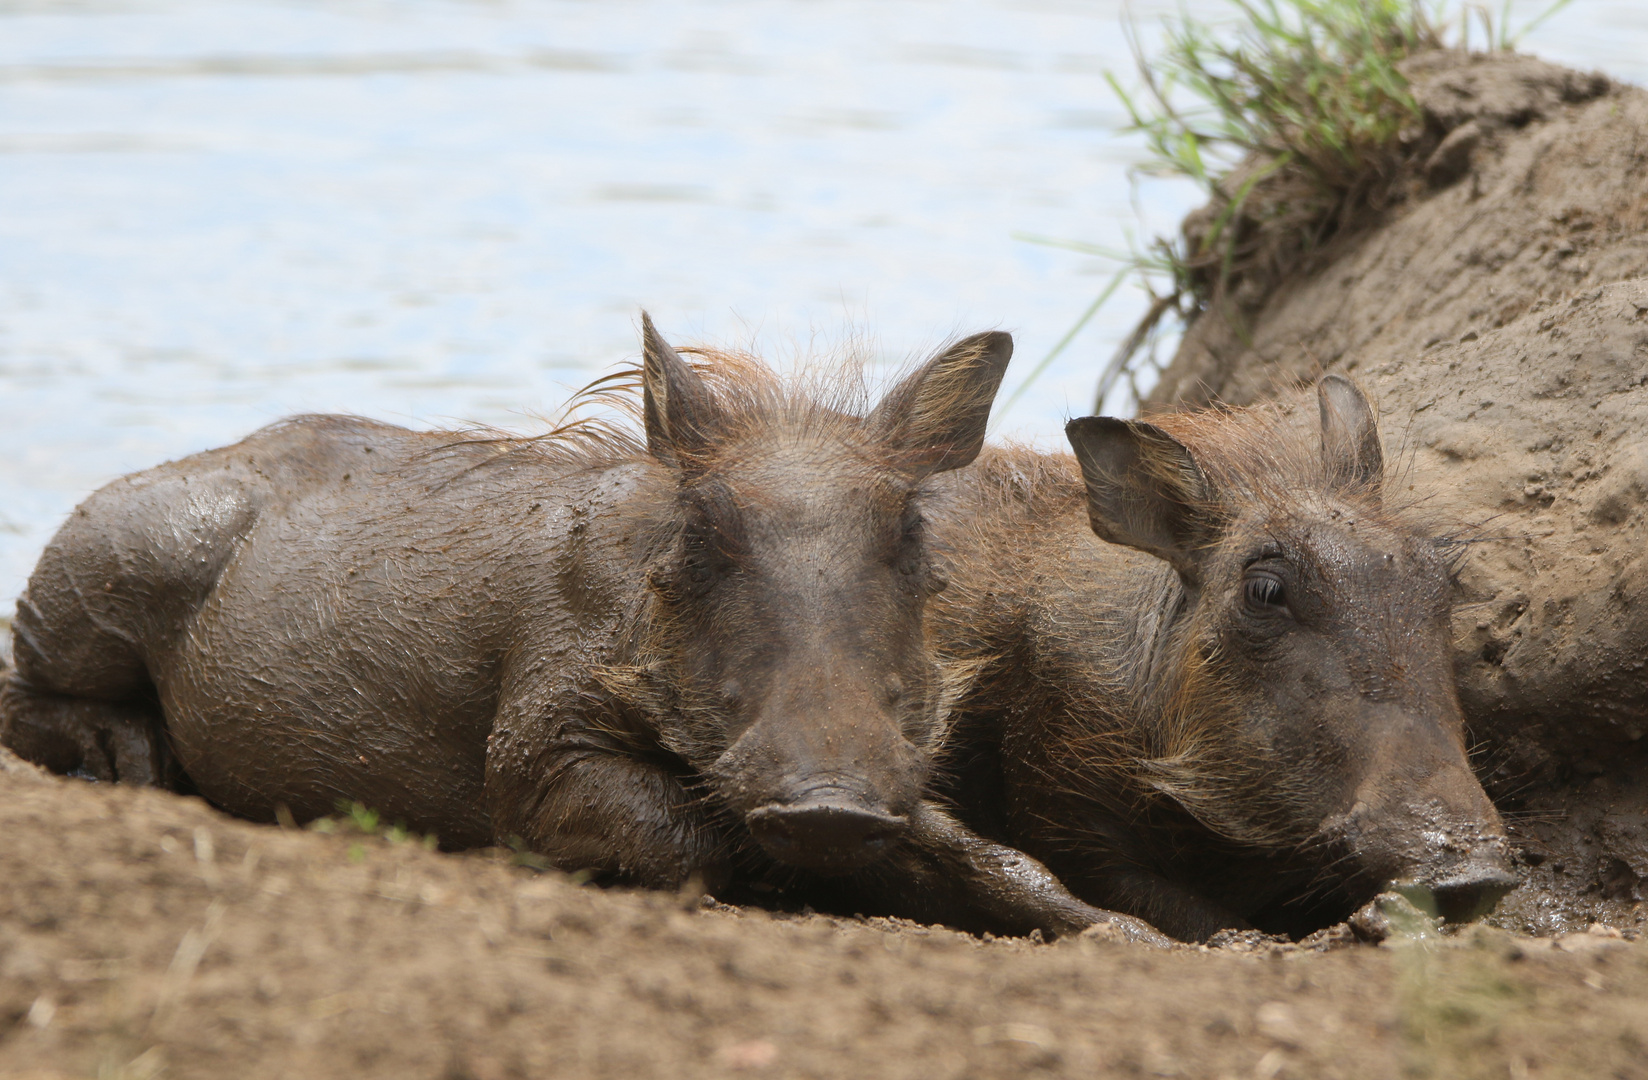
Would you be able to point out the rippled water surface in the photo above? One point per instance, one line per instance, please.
(215, 213)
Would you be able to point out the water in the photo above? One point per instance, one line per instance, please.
(214, 213)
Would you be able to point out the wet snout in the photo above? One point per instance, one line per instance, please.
(1463, 867)
(823, 788)
(1421, 825)
(829, 828)
(1469, 892)
(1453, 867)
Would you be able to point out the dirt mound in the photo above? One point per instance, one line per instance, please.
(143, 934)
(1499, 313)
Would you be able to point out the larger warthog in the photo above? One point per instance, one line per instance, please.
(698, 655)
(1237, 708)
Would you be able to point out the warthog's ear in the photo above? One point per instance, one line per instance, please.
(1144, 490)
(679, 409)
(935, 418)
(1350, 435)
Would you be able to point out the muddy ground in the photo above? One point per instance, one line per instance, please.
(1496, 307)
(143, 934)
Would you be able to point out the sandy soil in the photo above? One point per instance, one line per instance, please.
(143, 934)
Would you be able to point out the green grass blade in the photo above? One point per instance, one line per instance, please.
(1064, 343)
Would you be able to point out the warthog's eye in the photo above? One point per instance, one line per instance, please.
(908, 554)
(712, 537)
(1264, 594)
(704, 560)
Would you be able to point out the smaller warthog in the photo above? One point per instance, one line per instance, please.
(701, 655)
(1237, 708)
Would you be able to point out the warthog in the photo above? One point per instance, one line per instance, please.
(1237, 709)
(701, 655)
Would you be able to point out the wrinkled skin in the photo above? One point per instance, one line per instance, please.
(1235, 709)
(703, 658)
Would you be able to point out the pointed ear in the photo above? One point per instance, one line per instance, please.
(935, 418)
(1350, 435)
(1144, 490)
(679, 409)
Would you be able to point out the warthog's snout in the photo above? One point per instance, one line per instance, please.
(1469, 892)
(829, 829)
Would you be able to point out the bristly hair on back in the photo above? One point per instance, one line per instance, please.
(1265, 454)
(601, 423)
(1270, 452)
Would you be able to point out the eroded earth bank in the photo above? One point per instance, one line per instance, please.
(1497, 311)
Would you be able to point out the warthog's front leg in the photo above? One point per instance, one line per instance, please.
(570, 791)
(1173, 907)
(99, 740)
(950, 874)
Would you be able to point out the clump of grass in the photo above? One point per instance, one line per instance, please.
(357, 819)
(1295, 124)
(1463, 1011)
(1312, 84)
(1308, 96)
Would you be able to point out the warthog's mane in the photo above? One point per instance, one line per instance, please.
(826, 399)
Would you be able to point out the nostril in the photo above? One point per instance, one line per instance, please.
(1465, 895)
(831, 832)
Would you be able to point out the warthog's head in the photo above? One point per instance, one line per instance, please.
(1310, 701)
(790, 598)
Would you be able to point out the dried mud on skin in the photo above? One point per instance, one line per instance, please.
(143, 934)
(1498, 314)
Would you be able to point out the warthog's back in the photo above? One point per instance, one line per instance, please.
(325, 595)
